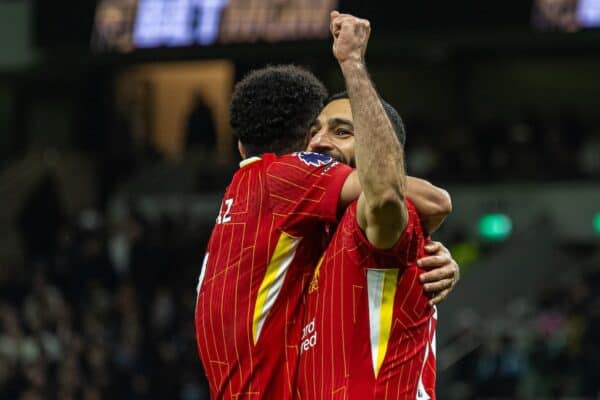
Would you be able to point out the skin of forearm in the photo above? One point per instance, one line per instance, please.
(432, 203)
(429, 200)
(379, 154)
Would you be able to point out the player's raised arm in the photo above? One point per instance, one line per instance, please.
(379, 155)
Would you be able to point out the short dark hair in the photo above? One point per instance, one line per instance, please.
(272, 108)
(391, 112)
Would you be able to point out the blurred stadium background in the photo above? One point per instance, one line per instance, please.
(115, 149)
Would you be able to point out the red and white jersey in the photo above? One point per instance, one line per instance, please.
(269, 235)
(368, 330)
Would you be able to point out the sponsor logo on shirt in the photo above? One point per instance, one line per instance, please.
(309, 337)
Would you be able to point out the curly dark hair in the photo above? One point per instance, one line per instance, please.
(389, 110)
(272, 108)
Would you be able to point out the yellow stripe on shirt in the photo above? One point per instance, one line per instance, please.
(381, 286)
(272, 283)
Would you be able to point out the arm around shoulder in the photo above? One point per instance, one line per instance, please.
(432, 203)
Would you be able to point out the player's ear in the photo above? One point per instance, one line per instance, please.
(242, 150)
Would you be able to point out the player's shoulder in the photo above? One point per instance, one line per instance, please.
(412, 209)
(350, 213)
(407, 246)
(303, 164)
(414, 221)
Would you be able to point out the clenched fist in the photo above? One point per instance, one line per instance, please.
(350, 37)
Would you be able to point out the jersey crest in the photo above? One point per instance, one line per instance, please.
(314, 159)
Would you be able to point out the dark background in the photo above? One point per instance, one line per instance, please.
(102, 232)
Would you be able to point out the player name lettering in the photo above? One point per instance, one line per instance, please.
(224, 216)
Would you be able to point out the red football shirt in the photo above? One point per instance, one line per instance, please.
(269, 235)
(368, 330)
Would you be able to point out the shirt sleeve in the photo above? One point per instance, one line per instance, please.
(406, 251)
(305, 187)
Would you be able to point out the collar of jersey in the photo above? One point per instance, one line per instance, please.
(248, 161)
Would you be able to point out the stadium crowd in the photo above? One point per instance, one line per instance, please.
(106, 312)
(546, 349)
(535, 146)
